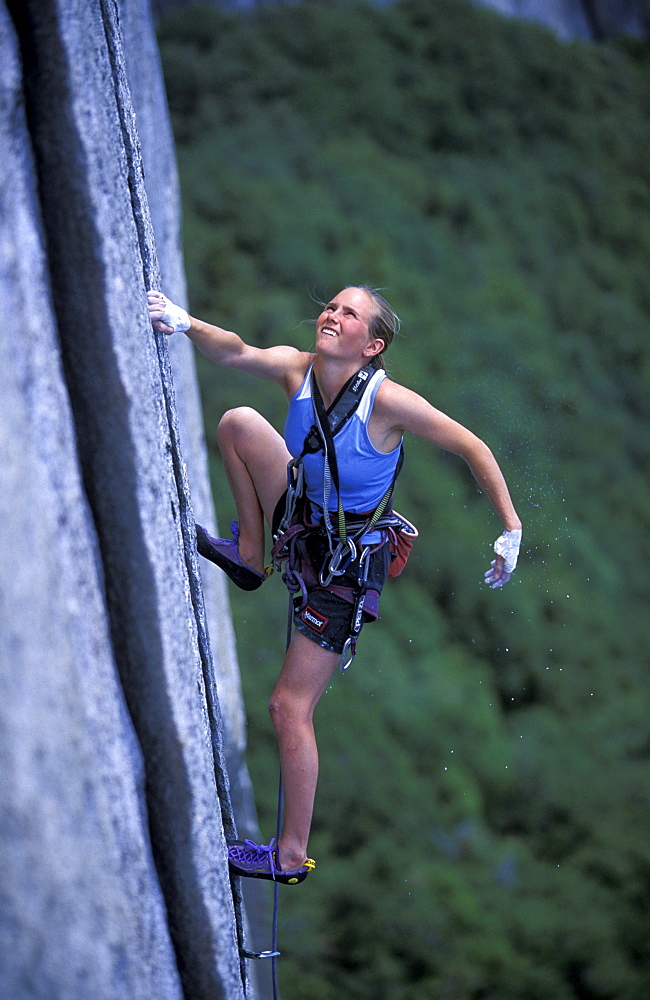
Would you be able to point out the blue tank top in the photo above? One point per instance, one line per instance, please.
(364, 473)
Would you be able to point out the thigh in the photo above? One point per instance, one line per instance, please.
(262, 450)
(306, 672)
(268, 468)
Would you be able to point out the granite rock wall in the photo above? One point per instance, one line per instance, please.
(117, 723)
(590, 20)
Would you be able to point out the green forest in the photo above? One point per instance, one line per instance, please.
(482, 825)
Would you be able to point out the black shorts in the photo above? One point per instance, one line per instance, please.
(326, 616)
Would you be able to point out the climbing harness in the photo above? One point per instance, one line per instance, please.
(348, 542)
(338, 415)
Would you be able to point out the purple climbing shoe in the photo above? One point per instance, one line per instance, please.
(225, 553)
(252, 860)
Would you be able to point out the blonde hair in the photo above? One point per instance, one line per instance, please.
(384, 325)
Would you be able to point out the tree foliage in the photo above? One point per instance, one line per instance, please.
(482, 818)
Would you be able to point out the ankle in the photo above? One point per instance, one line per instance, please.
(251, 556)
(290, 858)
(250, 551)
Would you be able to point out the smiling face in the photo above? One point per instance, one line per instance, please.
(342, 329)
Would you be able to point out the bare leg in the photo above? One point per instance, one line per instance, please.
(255, 458)
(304, 676)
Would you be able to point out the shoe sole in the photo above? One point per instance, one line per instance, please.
(285, 878)
(245, 579)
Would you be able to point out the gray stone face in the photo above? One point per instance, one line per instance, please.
(154, 129)
(114, 796)
(585, 19)
(566, 18)
(81, 912)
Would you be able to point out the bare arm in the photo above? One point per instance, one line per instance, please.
(399, 409)
(229, 350)
(284, 365)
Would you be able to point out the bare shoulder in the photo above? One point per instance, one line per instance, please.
(285, 365)
(389, 418)
(400, 410)
(297, 366)
(395, 404)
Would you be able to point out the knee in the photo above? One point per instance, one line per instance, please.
(285, 712)
(236, 422)
(277, 709)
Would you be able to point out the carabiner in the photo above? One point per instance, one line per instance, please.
(364, 566)
(245, 953)
(334, 565)
(351, 648)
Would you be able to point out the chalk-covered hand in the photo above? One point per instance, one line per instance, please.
(503, 565)
(165, 316)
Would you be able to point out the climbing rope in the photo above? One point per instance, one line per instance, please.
(273, 952)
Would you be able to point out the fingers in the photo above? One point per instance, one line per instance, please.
(497, 576)
(158, 304)
(162, 328)
(161, 310)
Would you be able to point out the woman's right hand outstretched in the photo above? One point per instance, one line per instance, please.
(165, 316)
(285, 365)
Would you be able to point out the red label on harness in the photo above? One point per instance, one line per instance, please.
(313, 619)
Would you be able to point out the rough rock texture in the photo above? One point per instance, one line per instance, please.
(154, 127)
(146, 86)
(114, 796)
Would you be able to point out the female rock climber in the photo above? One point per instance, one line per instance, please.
(336, 530)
